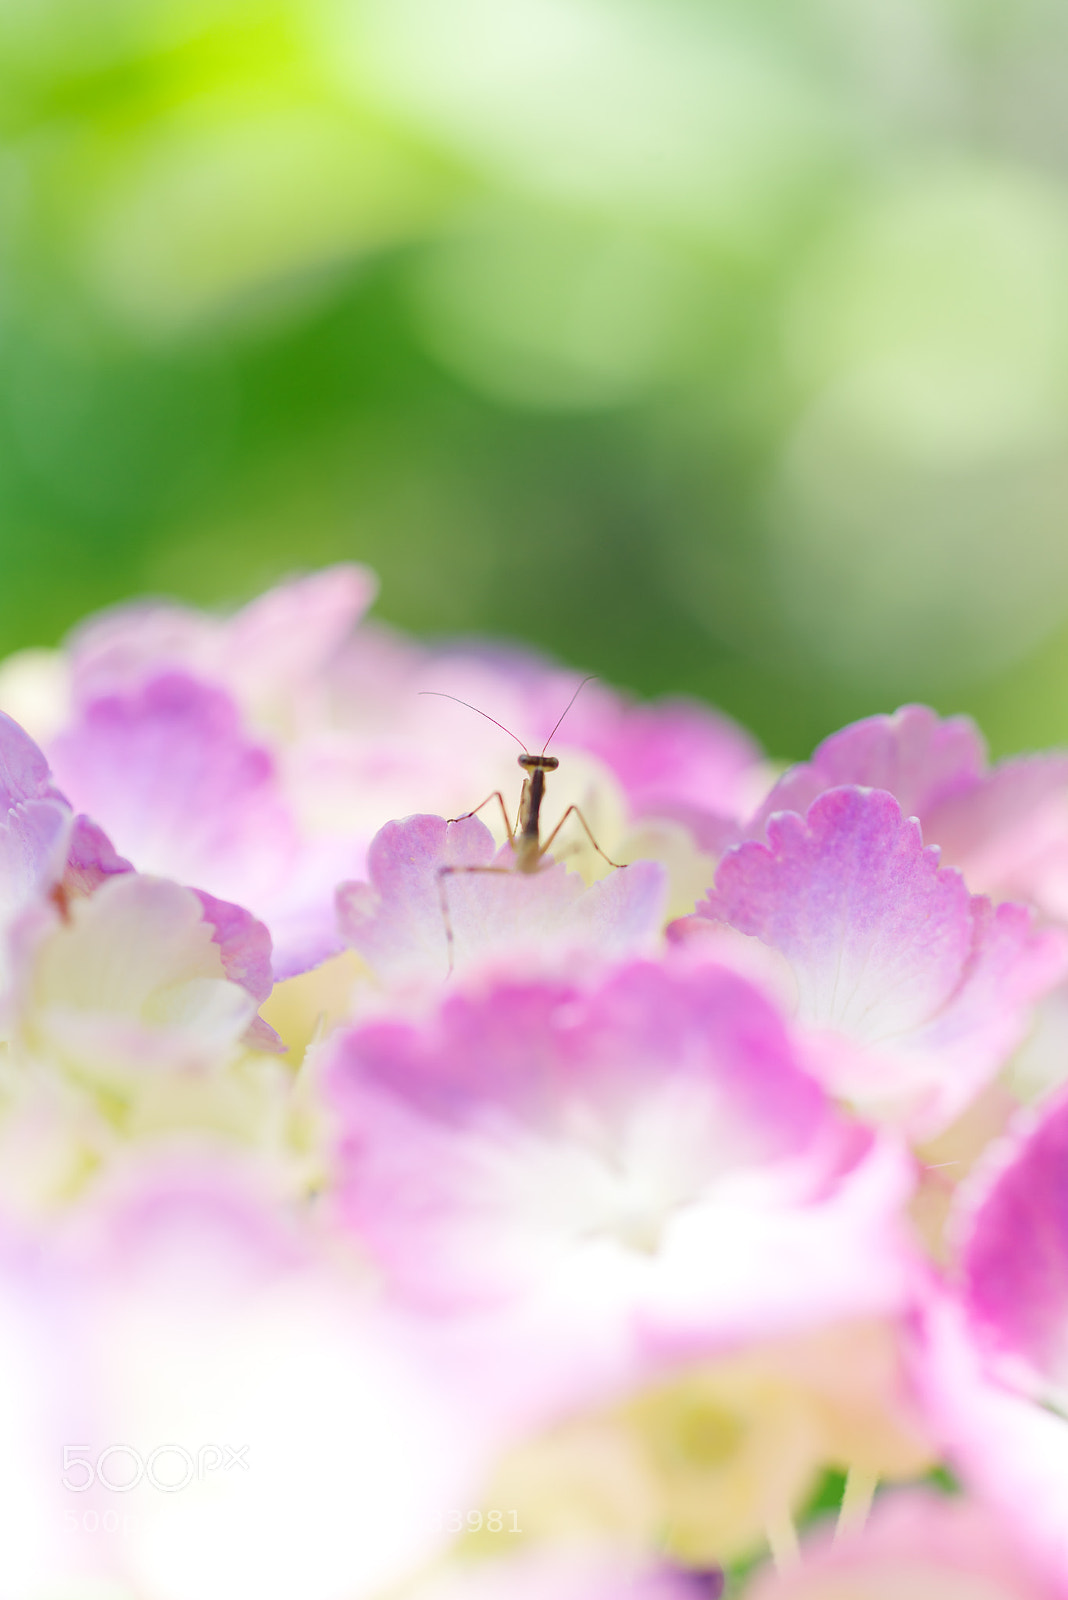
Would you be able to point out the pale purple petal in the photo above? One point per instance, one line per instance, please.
(24, 772)
(917, 757)
(117, 650)
(302, 915)
(92, 859)
(396, 921)
(169, 773)
(245, 948)
(399, 921)
(1013, 964)
(35, 820)
(927, 988)
(34, 837)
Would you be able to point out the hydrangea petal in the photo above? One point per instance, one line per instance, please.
(398, 924)
(92, 859)
(36, 826)
(926, 988)
(917, 757)
(1013, 1229)
(1005, 827)
(265, 654)
(245, 947)
(171, 774)
(276, 651)
(1009, 834)
(35, 821)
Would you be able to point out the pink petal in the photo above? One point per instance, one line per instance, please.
(1006, 828)
(398, 924)
(1014, 1254)
(1009, 834)
(288, 638)
(280, 642)
(917, 1545)
(644, 1160)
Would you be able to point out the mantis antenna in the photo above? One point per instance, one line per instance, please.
(591, 679)
(438, 695)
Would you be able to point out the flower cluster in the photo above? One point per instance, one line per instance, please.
(381, 1218)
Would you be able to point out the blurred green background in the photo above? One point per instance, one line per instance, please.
(715, 345)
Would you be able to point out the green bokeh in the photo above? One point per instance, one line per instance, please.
(714, 347)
